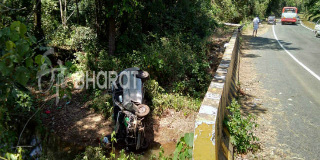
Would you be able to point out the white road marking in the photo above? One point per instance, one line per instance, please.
(294, 58)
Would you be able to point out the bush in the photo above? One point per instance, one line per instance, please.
(102, 103)
(60, 37)
(172, 62)
(79, 39)
(315, 18)
(92, 153)
(106, 62)
(82, 37)
(162, 101)
(176, 102)
(17, 70)
(241, 129)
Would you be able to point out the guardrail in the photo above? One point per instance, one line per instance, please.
(211, 140)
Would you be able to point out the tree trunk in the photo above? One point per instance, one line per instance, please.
(112, 35)
(38, 28)
(61, 12)
(65, 13)
(105, 25)
(97, 12)
(78, 20)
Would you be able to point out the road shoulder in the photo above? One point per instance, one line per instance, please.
(254, 99)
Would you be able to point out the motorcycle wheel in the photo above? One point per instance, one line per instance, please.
(142, 74)
(143, 110)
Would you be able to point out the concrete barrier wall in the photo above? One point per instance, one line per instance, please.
(211, 140)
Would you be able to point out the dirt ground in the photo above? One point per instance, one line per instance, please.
(75, 123)
(253, 95)
(253, 98)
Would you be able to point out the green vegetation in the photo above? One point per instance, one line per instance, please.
(312, 10)
(12, 156)
(102, 103)
(241, 129)
(169, 39)
(98, 153)
(184, 147)
(182, 151)
(160, 100)
(17, 67)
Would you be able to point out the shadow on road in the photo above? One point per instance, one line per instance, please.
(251, 105)
(262, 43)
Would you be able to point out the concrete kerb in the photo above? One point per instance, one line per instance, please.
(208, 133)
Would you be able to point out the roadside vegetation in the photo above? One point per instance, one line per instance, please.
(169, 39)
(241, 129)
(312, 10)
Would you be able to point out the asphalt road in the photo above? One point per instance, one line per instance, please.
(294, 84)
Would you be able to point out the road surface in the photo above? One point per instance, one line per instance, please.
(291, 73)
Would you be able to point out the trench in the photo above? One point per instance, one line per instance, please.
(163, 134)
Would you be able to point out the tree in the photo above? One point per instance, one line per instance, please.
(112, 35)
(98, 18)
(115, 10)
(78, 18)
(37, 21)
(63, 13)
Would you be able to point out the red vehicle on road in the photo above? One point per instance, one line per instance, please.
(289, 14)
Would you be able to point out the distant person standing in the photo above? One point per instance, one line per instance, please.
(256, 22)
